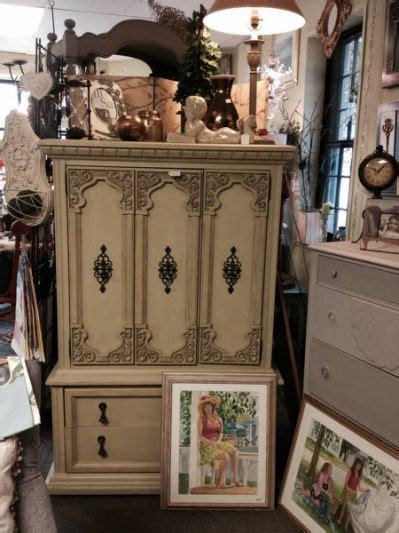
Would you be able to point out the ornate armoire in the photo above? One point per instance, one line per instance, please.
(166, 259)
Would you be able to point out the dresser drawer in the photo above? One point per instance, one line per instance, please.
(365, 279)
(359, 327)
(367, 395)
(122, 449)
(113, 407)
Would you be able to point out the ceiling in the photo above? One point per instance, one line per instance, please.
(96, 16)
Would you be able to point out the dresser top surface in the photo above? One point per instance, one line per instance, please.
(351, 250)
(78, 149)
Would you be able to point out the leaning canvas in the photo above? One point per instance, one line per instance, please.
(18, 407)
(339, 477)
(218, 440)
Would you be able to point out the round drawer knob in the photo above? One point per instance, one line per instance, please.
(325, 372)
(334, 274)
(331, 317)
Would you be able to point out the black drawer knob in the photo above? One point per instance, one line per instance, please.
(102, 451)
(103, 417)
(334, 274)
(331, 317)
(325, 372)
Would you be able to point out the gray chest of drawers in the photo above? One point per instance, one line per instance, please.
(352, 347)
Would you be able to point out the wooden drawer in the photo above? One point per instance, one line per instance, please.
(359, 327)
(367, 395)
(123, 407)
(127, 449)
(365, 279)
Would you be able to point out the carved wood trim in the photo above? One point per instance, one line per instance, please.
(81, 352)
(165, 152)
(150, 181)
(79, 179)
(148, 355)
(210, 353)
(84, 354)
(257, 183)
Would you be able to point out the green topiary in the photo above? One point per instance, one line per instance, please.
(200, 61)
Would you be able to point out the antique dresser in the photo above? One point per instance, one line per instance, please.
(166, 259)
(352, 354)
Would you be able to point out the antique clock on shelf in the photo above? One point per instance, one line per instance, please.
(378, 171)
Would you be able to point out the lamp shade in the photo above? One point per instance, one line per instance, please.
(234, 16)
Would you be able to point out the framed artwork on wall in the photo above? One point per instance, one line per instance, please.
(218, 435)
(390, 73)
(287, 50)
(226, 64)
(339, 476)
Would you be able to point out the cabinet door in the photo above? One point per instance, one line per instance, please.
(100, 235)
(167, 257)
(233, 266)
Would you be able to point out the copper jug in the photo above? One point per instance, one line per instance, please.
(152, 124)
(131, 128)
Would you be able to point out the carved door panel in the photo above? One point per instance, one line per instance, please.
(100, 234)
(232, 266)
(167, 262)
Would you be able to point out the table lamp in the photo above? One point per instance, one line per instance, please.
(254, 17)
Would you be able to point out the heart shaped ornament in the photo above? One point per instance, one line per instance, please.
(39, 85)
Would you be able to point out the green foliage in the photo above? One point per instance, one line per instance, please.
(185, 417)
(200, 61)
(235, 404)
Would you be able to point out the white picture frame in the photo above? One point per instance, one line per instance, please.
(343, 446)
(287, 50)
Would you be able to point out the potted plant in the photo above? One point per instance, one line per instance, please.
(200, 61)
(305, 132)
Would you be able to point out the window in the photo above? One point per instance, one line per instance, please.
(341, 96)
(9, 101)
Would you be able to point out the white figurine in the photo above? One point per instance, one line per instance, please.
(195, 110)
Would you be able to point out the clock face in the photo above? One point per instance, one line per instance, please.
(378, 172)
(104, 106)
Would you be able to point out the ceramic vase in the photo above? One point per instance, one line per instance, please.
(222, 112)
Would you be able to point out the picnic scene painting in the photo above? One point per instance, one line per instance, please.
(219, 444)
(338, 482)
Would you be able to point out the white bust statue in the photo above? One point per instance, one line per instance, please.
(195, 110)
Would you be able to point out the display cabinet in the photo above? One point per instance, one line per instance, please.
(352, 336)
(166, 258)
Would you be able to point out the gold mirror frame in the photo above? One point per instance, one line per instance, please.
(329, 39)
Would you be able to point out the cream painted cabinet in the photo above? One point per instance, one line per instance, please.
(166, 258)
(353, 333)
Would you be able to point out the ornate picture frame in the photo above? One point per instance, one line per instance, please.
(332, 22)
(381, 225)
(235, 410)
(390, 73)
(327, 454)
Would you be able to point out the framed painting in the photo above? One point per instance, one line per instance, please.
(339, 477)
(390, 73)
(388, 135)
(381, 225)
(218, 440)
(287, 50)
